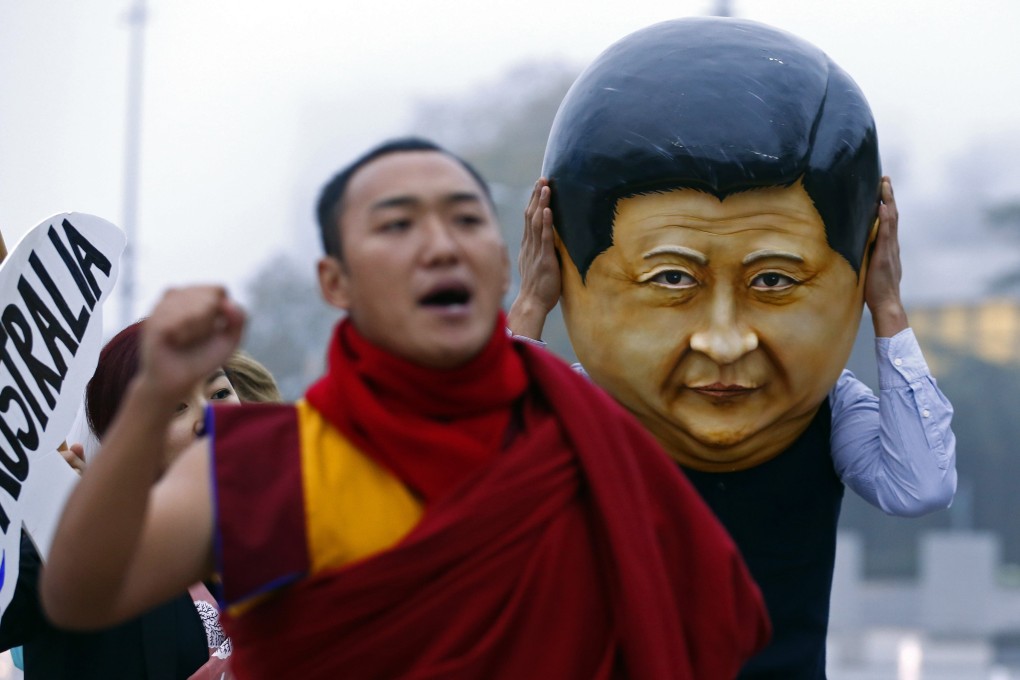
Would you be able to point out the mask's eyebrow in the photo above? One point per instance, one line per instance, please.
(688, 253)
(768, 254)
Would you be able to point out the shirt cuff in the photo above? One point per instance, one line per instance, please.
(900, 360)
(524, 338)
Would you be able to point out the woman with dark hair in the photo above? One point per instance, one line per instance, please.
(179, 639)
(118, 363)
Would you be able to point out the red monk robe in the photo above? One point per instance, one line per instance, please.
(570, 548)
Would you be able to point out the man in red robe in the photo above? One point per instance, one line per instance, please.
(445, 503)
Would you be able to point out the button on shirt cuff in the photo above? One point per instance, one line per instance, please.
(900, 360)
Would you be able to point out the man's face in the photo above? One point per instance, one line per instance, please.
(424, 266)
(721, 325)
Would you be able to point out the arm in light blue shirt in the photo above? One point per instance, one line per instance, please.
(897, 450)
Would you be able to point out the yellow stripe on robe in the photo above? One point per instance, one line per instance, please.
(354, 507)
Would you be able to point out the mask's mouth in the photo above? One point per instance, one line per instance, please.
(723, 391)
(720, 387)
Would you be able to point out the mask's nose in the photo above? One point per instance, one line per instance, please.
(723, 338)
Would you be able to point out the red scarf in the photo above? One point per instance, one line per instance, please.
(430, 427)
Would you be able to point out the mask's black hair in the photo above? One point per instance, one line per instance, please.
(718, 105)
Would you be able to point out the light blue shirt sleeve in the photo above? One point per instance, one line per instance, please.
(897, 450)
(578, 368)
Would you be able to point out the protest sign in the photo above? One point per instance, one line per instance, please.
(52, 287)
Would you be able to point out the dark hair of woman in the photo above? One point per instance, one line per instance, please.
(118, 364)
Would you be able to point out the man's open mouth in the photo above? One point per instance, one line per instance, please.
(447, 296)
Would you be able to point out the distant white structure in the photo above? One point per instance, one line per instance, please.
(956, 622)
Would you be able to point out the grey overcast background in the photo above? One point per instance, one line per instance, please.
(249, 105)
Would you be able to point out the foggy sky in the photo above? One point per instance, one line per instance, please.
(249, 106)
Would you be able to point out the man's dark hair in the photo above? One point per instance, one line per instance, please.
(717, 105)
(331, 198)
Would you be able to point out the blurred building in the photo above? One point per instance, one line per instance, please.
(938, 597)
(957, 621)
(988, 330)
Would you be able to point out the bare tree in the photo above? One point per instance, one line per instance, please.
(289, 324)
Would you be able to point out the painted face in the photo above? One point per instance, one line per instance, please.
(721, 324)
(187, 423)
(424, 266)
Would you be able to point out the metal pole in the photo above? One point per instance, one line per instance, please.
(136, 18)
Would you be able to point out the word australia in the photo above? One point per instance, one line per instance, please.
(40, 332)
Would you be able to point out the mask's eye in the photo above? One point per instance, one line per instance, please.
(180, 408)
(673, 278)
(773, 281)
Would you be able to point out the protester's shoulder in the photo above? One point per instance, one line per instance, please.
(251, 428)
(254, 409)
(251, 413)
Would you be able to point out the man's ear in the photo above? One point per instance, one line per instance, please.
(334, 282)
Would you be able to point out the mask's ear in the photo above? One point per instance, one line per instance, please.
(563, 257)
(561, 249)
(334, 283)
(868, 250)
